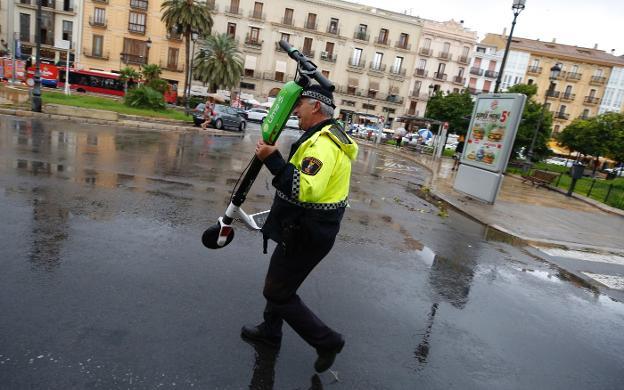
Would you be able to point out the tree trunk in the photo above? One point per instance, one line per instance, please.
(187, 39)
(596, 162)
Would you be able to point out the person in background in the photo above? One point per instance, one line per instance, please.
(458, 152)
(208, 113)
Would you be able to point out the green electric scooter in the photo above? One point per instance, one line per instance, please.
(222, 233)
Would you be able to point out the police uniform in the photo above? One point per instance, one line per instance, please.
(312, 190)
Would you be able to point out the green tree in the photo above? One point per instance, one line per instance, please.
(126, 74)
(187, 16)
(454, 108)
(151, 72)
(530, 121)
(219, 64)
(590, 137)
(615, 127)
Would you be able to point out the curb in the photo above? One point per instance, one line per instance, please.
(158, 126)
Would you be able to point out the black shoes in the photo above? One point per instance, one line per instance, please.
(326, 357)
(259, 335)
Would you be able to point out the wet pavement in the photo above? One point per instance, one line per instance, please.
(104, 282)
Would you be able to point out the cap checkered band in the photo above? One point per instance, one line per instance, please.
(318, 96)
(312, 206)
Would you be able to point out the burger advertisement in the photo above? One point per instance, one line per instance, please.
(485, 141)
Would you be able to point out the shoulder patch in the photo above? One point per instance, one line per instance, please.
(338, 133)
(311, 166)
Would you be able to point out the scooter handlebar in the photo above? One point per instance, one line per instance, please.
(307, 65)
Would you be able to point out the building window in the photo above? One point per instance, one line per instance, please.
(377, 58)
(383, 36)
(140, 4)
(67, 30)
(96, 45)
(285, 37)
(234, 4)
(403, 38)
(447, 47)
(24, 27)
(396, 67)
(257, 12)
(307, 47)
(288, 16)
(99, 16)
(356, 57)
(367, 106)
(325, 73)
(329, 48)
(172, 58)
(134, 51)
(422, 64)
(311, 21)
(333, 26)
(231, 30)
(137, 22)
(254, 35)
(427, 43)
(348, 103)
(68, 5)
(247, 85)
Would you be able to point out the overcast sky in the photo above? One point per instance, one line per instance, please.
(573, 22)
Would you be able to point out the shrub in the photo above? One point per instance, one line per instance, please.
(145, 97)
(159, 85)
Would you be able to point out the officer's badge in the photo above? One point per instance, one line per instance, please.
(311, 166)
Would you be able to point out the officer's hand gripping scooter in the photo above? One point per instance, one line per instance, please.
(220, 234)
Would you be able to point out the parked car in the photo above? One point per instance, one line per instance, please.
(222, 117)
(619, 171)
(564, 162)
(256, 114)
(292, 122)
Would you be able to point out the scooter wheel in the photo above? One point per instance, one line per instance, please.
(211, 236)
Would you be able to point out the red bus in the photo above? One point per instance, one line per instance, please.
(107, 83)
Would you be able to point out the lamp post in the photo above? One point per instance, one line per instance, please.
(187, 92)
(517, 6)
(36, 92)
(148, 44)
(554, 74)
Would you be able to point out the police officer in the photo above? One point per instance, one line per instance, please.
(312, 189)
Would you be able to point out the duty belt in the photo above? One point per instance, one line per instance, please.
(313, 206)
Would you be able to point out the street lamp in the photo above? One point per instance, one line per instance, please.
(187, 92)
(517, 6)
(148, 44)
(36, 92)
(554, 74)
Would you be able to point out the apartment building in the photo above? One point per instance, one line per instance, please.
(367, 52)
(613, 99)
(582, 83)
(60, 20)
(442, 61)
(120, 33)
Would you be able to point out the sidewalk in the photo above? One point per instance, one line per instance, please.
(537, 216)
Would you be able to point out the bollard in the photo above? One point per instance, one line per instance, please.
(608, 193)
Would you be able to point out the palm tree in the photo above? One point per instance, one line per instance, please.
(219, 64)
(187, 16)
(126, 74)
(151, 72)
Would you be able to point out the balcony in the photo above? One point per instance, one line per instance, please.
(591, 100)
(333, 29)
(257, 15)
(491, 74)
(173, 35)
(127, 58)
(403, 45)
(140, 5)
(308, 53)
(382, 40)
(172, 67)
(396, 99)
(476, 71)
(91, 54)
(574, 76)
(287, 20)
(233, 10)
(568, 96)
(329, 57)
(425, 51)
(534, 69)
(445, 56)
(97, 22)
(100, 1)
(597, 80)
(356, 63)
(397, 71)
(361, 36)
(463, 60)
(420, 72)
(440, 76)
(561, 115)
(377, 67)
(252, 42)
(459, 80)
(310, 25)
(136, 28)
(553, 94)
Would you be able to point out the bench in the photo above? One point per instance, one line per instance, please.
(540, 178)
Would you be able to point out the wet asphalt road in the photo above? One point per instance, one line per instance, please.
(104, 282)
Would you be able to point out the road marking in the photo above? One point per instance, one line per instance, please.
(584, 256)
(612, 281)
